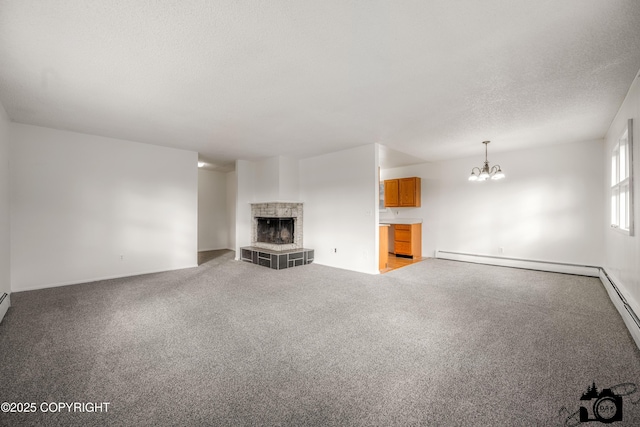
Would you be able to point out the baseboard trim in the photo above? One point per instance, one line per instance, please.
(97, 279)
(620, 302)
(5, 303)
(529, 264)
(616, 295)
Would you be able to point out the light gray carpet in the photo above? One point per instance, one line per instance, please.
(232, 343)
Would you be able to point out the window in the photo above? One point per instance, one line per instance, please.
(621, 182)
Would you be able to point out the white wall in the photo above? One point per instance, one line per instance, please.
(340, 195)
(267, 180)
(213, 229)
(5, 284)
(80, 202)
(245, 181)
(549, 207)
(622, 252)
(288, 179)
(232, 186)
(276, 179)
(266, 186)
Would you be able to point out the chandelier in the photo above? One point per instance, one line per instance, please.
(486, 172)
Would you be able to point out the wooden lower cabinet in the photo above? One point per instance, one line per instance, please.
(384, 247)
(408, 240)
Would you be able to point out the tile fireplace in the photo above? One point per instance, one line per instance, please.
(276, 236)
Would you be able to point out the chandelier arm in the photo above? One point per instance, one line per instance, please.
(479, 170)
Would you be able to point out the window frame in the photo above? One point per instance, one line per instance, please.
(622, 209)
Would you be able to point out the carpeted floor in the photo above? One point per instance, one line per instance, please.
(229, 343)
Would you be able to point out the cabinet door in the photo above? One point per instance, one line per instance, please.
(403, 235)
(407, 189)
(391, 198)
(402, 241)
(416, 240)
(403, 248)
(408, 240)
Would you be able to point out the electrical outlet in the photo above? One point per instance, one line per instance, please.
(500, 250)
(335, 250)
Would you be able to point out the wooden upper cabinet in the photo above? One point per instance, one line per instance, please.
(403, 192)
(409, 191)
(391, 193)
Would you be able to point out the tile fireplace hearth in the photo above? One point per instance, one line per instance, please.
(277, 260)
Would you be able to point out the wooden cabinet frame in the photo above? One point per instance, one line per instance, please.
(402, 193)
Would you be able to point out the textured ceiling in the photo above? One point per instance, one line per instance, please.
(249, 79)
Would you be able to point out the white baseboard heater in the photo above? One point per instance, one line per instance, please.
(4, 305)
(618, 299)
(555, 267)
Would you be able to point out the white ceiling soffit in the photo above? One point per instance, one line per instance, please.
(246, 79)
(389, 158)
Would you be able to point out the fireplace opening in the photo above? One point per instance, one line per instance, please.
(278, 231)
